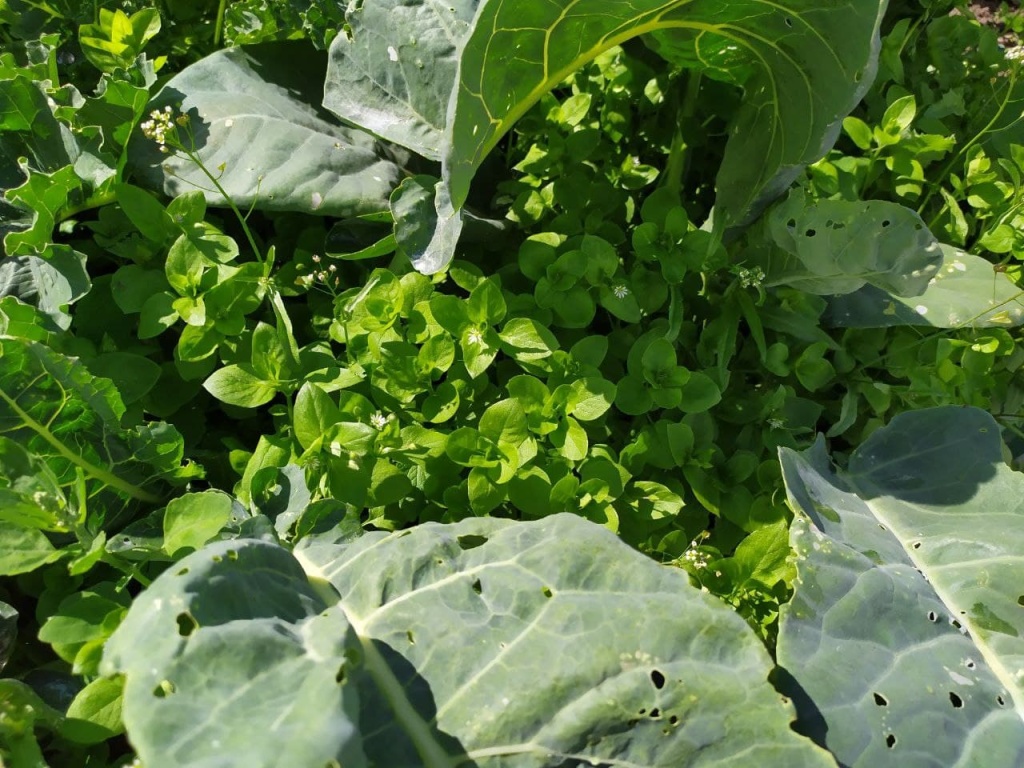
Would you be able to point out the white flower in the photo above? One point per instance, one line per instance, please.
(750, 278)
(776, 423)
(378, 420)
(475, 337)
(620, 291)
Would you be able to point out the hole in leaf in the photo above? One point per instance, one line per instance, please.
(183, 571)
(882, 527)
(1001, 701)
(163, 689)
(810, 233)
(858, 76)
(547, 591)
(789, 22)
(880, 700)
(933, 616)
(917, 545)
(477, 587)
(642, 711)
(955, 623)
(956, 701)
(655, 714)
(439, 561)
(658, 679)
(217, 559)
(970, 664)
(1020, 600)
(673, 720)
(471, 542)
(340, 677)
(187, 624)
(410, 637)
(890, 740)
(232, 555)
(791, 223)
(885, 223)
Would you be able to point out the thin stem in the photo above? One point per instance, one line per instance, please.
(218, 29)
(231, 203)
(678, 160)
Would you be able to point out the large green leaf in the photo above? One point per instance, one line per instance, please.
(803, 65)
(965, 291)
(72, 421)
(832, 247)
(906, 628)
(485, 643)
(251, 111)
(393, 72)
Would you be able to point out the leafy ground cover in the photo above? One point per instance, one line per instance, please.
(632, 384)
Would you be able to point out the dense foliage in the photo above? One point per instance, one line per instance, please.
(563, 323)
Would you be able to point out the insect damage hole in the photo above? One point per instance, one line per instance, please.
(470, 541)
(890, 740)
(341, 677)
(956, 701)
(880, 700)
(547, 591)
(1020, 601)
(657, 679)
(187, 624)
(477, 587)
(163, 689)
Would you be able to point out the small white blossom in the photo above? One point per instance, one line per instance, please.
(620, 291)
(475, 337)
(750, 278)
(695, 557)
(776, 423)
(378, 420)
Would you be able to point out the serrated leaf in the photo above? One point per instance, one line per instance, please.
(60, 412)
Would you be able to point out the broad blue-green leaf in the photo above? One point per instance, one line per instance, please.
(237, 622)
(445, 645)
(393, 72)
(837, 247)
(251, 109)
(906, 629)
(965, 291)
(803, 65)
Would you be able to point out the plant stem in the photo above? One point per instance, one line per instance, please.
(676, 167)
(231, 203)
(218, 29)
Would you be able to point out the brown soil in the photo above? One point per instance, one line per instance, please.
(988, 13)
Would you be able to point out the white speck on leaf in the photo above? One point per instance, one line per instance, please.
(921, 309)
(317, 199)
(392, 53)
(228, 123)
